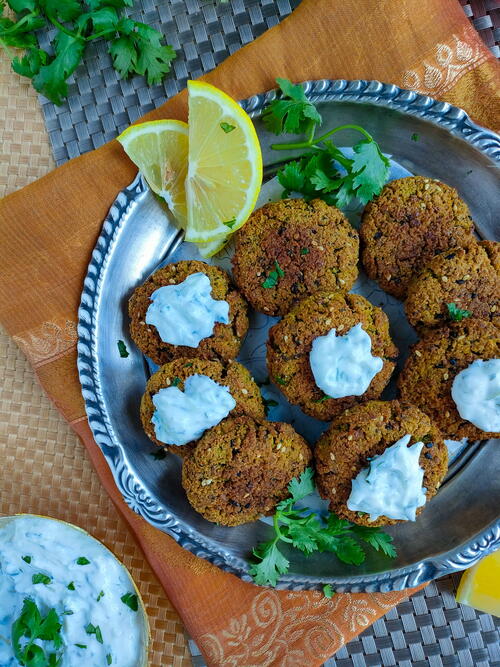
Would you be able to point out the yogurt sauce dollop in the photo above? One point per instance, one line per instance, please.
(186, 313)
(180, 417)
(344, 365)
(391, 485)
(95, 588)
(476, 392)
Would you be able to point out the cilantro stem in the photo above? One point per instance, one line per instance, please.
(8, 50)
(65, 30)
(15, 26)
(312, 141)
(277, 530)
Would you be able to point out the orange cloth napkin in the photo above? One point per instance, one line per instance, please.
(49, 229)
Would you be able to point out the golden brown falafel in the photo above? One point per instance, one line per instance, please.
(363, 432)
(225, 342)
(463, 276)
(232, 375)
(433, 364)
(410, 221)
(290, 342)
(241, 468)
(310, 246)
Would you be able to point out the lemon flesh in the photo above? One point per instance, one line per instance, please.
(225, 165)
(480, 585)
(159, 148)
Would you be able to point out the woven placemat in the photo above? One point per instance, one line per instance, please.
(45, 470)
(429, 630)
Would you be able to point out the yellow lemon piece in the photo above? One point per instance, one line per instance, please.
(207, 250)
(480, 585)
(159, 148)
(225, 165)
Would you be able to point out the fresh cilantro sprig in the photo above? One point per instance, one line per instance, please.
(323, 171)
(135, 48)
(309, 532)
(455, 313)
(33, 627)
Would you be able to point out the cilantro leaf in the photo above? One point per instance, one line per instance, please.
(82, 561)
(272, 564)
(124, 55)
(455, 313)
(91, 629)
(30, 63)
(370, 169)
(32, 626)
(227, 128)
(303, 486)
(41, 578)
(310, 531)
(415, 137)
(378, 540)
(230, 223)
(51, 79)
(122, 349)
(328, 591)
(71, 586)
(273, 276)
(293, 113)
(27, 559)
(131, 600)
(64, 10)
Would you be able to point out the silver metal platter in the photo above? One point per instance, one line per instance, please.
(462, 522)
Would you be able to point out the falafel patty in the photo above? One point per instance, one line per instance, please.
(292, 248)
(290, 342)
(410, 221)
(232, 375)
(463, 276)
(435, 361)
(223, 344)
(363, 432)
(241, 468)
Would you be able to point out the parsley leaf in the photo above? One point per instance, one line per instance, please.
(293, 113)
(227, 128)
(31, 625)
(101, 595)
(81, 645)
(41, 578)
(71, 586)
(122, 349)
(455, 313)
(109, 659)
(310, 531)
(27, 559)
(130, 599)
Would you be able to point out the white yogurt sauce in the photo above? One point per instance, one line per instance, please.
(344, 365)
(54, 548)
(476, 392)
(180, 417)
(391, 485)
(185, 314)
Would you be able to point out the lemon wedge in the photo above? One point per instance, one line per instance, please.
(225, 165)
(159, 148)
(480, 585)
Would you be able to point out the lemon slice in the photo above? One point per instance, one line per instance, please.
(160, 149)
(225, 165)
(480, 585)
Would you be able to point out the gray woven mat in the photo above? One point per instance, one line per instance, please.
(429, 630)
(203, 32)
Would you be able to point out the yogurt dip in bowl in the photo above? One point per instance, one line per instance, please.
(80, 600)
